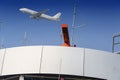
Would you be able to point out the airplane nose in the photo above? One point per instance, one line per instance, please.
(21, 9)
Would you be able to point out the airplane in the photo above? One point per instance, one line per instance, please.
(38, 15)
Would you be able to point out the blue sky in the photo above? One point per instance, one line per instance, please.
(102, 19)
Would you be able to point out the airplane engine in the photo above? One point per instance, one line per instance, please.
(32, 17)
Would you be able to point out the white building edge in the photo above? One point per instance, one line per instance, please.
(56, 62)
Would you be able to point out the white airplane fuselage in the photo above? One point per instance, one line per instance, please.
(38, 15)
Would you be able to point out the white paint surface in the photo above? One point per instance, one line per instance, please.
(60, 60)
(102, 64)
(22, 60)
(2, 54)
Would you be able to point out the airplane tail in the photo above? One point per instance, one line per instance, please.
(57, 16)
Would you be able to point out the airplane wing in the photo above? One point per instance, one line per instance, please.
(38, 14)
(44, 11)
(41, 12)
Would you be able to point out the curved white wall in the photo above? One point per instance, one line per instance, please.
(102, 64)
(2, 55)
(22, 60)
(57, 59)
(62, 60)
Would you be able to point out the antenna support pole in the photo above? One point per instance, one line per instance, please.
(25, 39)
(115, 43)
(73, 23)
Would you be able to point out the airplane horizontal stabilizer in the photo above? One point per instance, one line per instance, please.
(57, 16)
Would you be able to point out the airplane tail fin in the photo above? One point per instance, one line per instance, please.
(57, 16)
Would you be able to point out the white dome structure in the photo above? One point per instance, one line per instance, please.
(58, 62)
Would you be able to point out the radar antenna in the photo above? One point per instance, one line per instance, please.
(73, 24)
